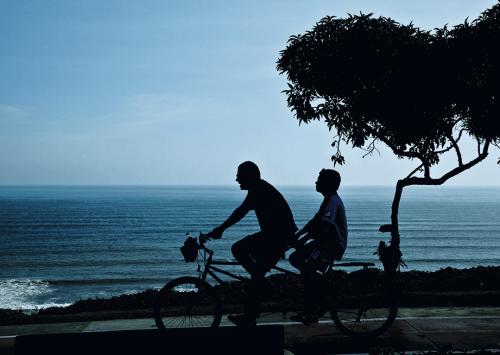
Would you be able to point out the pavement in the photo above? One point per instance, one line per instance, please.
(419, 329)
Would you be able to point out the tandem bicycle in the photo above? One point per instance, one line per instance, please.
(362, 302)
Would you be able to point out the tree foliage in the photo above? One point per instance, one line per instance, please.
(419, 92)
(373, 78)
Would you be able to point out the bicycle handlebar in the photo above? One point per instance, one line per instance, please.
(202, 238)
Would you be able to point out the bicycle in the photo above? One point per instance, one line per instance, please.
(363, 302)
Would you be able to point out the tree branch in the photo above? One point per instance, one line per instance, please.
(401, 184)
(427, 171)
(337, 157)
(370, 148)
(428, 181)
(414, 171)
(444, 150)
(451, 145)
(396, 151)
(457, 149)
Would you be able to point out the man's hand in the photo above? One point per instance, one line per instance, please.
(299, 242)
(216, 233)
(296, 243)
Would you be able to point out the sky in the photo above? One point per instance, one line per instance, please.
(178, 92)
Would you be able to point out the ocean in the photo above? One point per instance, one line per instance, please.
(59, 244)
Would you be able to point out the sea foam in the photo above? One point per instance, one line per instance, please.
(22, 294)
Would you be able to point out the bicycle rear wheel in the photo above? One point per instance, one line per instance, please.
(366, 302)
(187, 302)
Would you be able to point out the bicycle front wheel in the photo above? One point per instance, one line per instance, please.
(366, 302)
(187, 302)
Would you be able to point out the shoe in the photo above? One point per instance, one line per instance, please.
(242, 320)
(305, 318)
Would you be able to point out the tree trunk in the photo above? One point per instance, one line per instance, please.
(408, 181)
(394, 214)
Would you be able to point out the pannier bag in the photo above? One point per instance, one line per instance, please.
(190, 249)
(390, 256)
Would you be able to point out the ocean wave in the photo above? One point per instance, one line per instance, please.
(32, 295)
(86, 263)
(107, 281)
(22, 294)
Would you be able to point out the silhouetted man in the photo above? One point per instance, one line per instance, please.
(326, 233)
(258, 252)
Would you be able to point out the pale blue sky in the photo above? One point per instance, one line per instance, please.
(164, 92)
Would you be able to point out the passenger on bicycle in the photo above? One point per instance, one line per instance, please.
(325, 240)
(258, 252)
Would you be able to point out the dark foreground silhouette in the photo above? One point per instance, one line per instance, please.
(260, 251)
(221, 341)
(324, 240)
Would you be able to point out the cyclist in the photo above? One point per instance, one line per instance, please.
(258, 252)
(325, 240)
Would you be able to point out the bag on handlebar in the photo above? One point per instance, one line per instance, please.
(190, 249)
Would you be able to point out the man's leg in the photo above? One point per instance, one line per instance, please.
(245, 251)
(302, 260)
(312, 292)
(298, 258)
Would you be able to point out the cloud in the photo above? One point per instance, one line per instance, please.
(158, 108)
(148, 114)
(10, 112)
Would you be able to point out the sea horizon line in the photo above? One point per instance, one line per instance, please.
(235, 185)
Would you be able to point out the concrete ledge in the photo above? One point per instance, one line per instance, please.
(261, 340)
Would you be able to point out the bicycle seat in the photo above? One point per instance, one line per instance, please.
(225, 262)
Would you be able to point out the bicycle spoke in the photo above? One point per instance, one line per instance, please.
(366, 304)
(188, 302)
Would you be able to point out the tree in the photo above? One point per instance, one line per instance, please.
(419, 92)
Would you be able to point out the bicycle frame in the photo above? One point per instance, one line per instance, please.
(210, 269)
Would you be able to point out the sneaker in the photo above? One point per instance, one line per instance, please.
(242, 320)
(305, 318)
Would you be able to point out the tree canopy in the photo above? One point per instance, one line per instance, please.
(419, 92)
(415, 90)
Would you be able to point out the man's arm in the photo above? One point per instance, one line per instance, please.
(305, 230)
(234, 218)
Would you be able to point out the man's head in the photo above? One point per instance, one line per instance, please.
(328, 182)
(248, 175)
